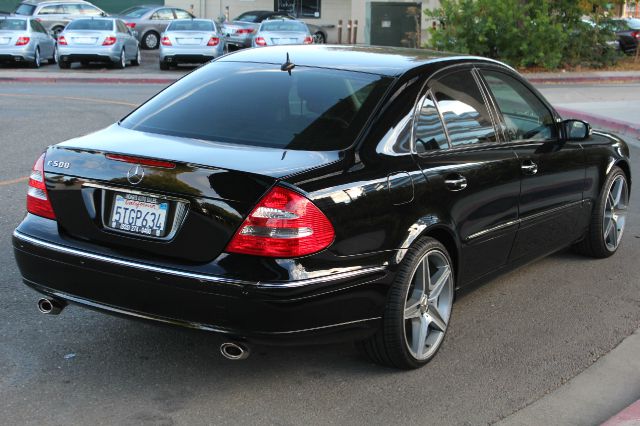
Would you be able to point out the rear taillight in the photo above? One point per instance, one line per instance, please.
(260, 41)
(22, 41)
(131, 24)
(109, 41)
(636, 34)
(165, 41)
(37, 198)
(283, 224)
(308, 40)
(62, 41)
(213, 41)
(244, 31)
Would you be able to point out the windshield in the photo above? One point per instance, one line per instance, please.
(134, 12)
(13, 24)
(191, 26)
(25, 9)
(633, 23)
(284, 26)
(90, 24)
(258, 104)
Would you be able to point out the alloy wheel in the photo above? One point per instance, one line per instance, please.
(123, 59)
(151, 41)
(36, 59)
(428, 305)
(615, 212)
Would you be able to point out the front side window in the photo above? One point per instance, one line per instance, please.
(312, 109)
(463, 109)
(134, 12)
(72, 9)
(163, 15)
(429, 134)
(525, 116)
(51, 10)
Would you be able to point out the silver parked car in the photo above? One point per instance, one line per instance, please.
(54, 15)
(25, 40)
(282, 31)
(241, 31)
(190, 41)
(98, 40)
(151, 21)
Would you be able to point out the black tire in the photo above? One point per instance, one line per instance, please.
(54, 58)
(148, 42)
(319, 38)
(56, 31)
(122, 62)
(164, 66)
(138, 60)
(64, 65)
(594, 243)
(390, 346)
(37, 60)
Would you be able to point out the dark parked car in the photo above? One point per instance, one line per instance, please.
(316, 193)
(628, 33)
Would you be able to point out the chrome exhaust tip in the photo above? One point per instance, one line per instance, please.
(234, 351)
(50, 306)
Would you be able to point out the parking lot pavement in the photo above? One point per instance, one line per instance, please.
(511, 341)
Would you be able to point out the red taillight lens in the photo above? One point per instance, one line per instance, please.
(213, 41)
(131, 24)
(283, 224)
(37, 198)
(109, 41)
(22, 41)
(165, 41)
(260, 41)
(244, 31)
(62, 41)
(635, 34)
(308, 40)
(142, 161)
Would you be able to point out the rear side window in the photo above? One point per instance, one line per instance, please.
(90, 24)
(525, 116)
(13, 24)
(258, 104)
(163, 15)
(135, 12)
(71, 9)
(51, 10)
(191, 26)
(25, 9)
(429, 133)
(88, 10)
(463, 109)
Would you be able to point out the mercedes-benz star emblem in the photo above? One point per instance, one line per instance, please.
(135, 174)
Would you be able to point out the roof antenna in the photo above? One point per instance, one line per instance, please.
(287, 66)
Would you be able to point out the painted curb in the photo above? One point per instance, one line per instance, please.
(630, 416)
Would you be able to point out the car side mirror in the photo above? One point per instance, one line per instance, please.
(576, 130)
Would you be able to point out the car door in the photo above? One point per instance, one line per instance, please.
(47, 44)
(130, 45)
(552, 171)
(473, 179)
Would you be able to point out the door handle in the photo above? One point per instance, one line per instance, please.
(455, 183)
(529, 167)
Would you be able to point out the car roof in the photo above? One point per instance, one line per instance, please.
(388, 61)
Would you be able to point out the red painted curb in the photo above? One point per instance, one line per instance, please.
(630, 416)
(617, 126)
(99, 80)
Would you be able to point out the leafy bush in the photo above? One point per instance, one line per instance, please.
(544, 33)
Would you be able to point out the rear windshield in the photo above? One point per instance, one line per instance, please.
(258, 104)
(134, 12)
(191, 26)
(283, 26)
(13, 24)
(25, 9)
(90, 24)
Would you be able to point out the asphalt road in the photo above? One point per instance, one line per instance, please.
(510, 342)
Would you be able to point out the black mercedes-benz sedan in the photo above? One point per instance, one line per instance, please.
(307, 194)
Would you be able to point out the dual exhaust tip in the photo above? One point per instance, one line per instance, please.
(234, 351)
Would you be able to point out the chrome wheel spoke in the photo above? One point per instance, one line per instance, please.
(615, 212)
(420, 331)
(436, 319)
(441, 278)
(412, 311)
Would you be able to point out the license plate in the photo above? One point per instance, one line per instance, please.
(139, 214)
(189, 41)
(5, 40)
(85, 40)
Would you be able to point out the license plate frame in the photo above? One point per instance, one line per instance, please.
(5, 40)
(139, 215)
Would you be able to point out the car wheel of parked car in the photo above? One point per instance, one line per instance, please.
(138, 60)
(37, 60)
(56, 31)
(64, 64)
(319, 38)
(122, 62)
(608, 218)
(150, 40)
(54, 57)
(418, 309)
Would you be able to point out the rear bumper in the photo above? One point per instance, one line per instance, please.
(89, 54)
(321, 309)
(17, 53)
(186, 58)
